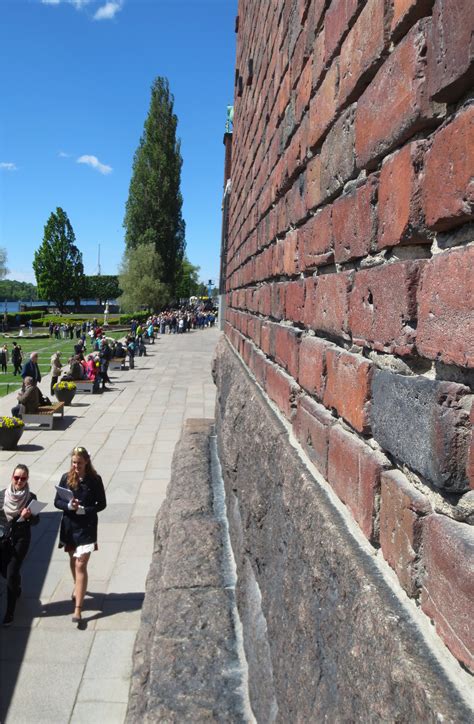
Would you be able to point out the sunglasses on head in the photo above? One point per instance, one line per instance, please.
(80, 450)
(19, 478)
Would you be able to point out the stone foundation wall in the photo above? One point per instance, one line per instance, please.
(350, 291)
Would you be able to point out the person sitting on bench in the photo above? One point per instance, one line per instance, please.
(29, 399)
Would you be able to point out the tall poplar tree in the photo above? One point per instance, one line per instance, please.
(58, 262)
(153, 209)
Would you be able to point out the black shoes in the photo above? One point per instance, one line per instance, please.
(7, 619)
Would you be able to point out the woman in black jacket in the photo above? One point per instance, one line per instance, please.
(80, 495)
(16, 520)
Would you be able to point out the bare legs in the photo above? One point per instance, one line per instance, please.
(79, 574)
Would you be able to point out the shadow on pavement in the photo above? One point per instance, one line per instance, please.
(14, 640)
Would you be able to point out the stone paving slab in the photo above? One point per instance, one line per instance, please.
(131, 432)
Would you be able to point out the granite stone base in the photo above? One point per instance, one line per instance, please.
(326, 637)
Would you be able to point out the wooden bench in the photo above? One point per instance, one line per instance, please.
(117, 363)
(44, 416)
(84, 385)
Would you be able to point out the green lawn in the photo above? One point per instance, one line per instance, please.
(45, 348)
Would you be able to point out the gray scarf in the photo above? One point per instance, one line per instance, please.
(15, 501)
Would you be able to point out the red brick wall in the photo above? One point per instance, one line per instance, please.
(351, 251)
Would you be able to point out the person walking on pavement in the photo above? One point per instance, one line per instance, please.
(17, 359)
(31, 368)
(81, 496)
(16, 520)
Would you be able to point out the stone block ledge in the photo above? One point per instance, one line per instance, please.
(186, 666)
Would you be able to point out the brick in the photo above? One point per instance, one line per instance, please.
(294, 301)
(311, 426)
(317, 247)
(337, 21)
(266, 338)
(445, 308)
(348, 387)
(400, 219)
(327, 303)
(447, 595)
(258, 366)
(278, 292)
(322, 109)
(281, 388)
(400, 89)
(312, 365)
(362, 51)
(423, 424)
(354, 222)
(402, 510)
(286, 346)
(312, 183)
(406, 13)
(383, 307)
(354, 471)
(337, 155)
(448, 186)
(451, 50)
(291, 254)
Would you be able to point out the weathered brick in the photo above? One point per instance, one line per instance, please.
(445, 308)
(383, 307)
(291, 254)
(327, 303)
(311, 426)
(354, 471)
(266, 337)
(447, 595)
(338, 19)
(258, 366)
(451, 51)
(402, 509)
(278, 291)
(406, 13)
(362, 51)
(286, 346)
(423, 424)
(312, 365)
(294, 301)
(281, 388)
(348, 387)
(317, 240)
(337, 155)
(400, 88)
(322, 109)
(448, 185)
(354, 222)
(312, 183)
(400, 219)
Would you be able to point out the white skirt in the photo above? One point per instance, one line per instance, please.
(87, 548)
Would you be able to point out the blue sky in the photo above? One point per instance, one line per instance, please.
(75, 79)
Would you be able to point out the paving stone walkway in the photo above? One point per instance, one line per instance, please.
(49, 670)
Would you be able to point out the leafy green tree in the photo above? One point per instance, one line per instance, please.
(3, 262)
(187, 279)
(141, 267)
(58, 262)
(13, 290)
(153, 210)
(102, 287)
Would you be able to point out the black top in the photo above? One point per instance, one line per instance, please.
(19, 531)
(76, 529)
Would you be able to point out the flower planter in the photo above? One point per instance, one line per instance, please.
(65, 395)
(9, 437)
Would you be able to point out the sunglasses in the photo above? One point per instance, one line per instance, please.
(18, 478)
(80, 450)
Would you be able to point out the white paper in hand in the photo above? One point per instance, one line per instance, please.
(65, 493)
(36, 507)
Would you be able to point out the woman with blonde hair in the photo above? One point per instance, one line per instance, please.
(80, 495)
(56, 368)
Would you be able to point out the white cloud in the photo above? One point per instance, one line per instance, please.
(63, 154)
(8, 166)
(21, 276)
(50, 2)
(94, 162)
(108, 11)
